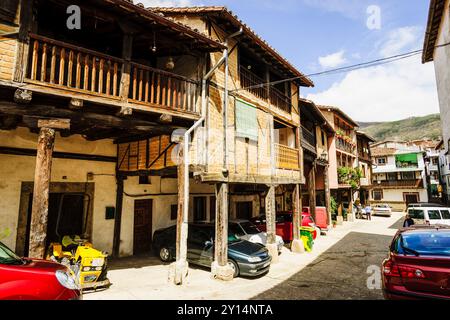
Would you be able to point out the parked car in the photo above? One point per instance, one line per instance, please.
(418, 265)
(284, 224)
(246, 230)
(246, 258)
(33, 279)
(430, 215)
(424, 204)
(384, 210)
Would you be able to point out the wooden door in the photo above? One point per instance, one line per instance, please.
(411, 198)
(142, 226)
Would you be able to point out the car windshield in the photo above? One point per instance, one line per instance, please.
(383, 206)
(7, 256)
(232, 238)
(236, 230)
(432, 243)
(416, 214)
(250, 228)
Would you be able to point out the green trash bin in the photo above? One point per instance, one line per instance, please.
(307, 237)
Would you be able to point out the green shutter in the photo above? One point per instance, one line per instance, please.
(246, 121)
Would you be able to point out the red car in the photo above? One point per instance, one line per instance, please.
(30, 279)
(284, 224)
(321, 217)
(418, 266)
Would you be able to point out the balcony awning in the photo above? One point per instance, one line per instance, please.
(411, 158)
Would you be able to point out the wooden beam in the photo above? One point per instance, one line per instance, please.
(63, 124)
(312, 191)
(23, 96)
(39, 214)
(221, 239)
(297, 214)
(326, 177)
(118, 216)
(181, 240)
(27, 25)
(127, 49)
(270, 205)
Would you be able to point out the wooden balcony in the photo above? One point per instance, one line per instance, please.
(308, 140)
(60, 65)
(286, 158)
(399, 184)
(272, 95)
(344, 146)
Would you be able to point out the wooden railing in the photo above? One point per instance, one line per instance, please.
(59, 64)
(64, 66)
(308, 137)
(286, 158)
(400, 183)
(344, 146)
(158, 88)
(255, 85)
(249, 79)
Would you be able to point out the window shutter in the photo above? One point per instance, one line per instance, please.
(246, 121)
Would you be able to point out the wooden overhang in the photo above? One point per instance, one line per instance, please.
(145, 23)
(313, 112)
(249, 39)
(341, 114)
(435, 13)
(365, 136)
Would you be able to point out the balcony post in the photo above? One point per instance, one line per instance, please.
(127, 51)
(312, 190)
(270, 206)
(41, 193)
(297, 245)
(326, 177)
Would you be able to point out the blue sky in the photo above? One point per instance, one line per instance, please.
(317, 35)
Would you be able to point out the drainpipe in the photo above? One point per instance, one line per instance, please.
(225, 102)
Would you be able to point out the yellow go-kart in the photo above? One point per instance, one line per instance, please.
(88, 264)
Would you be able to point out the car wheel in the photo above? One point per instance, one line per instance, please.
(165, 255)
(234, 267)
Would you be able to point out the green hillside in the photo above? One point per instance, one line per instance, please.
(405, 130)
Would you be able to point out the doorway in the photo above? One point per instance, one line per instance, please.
(244, 210)
(142, 236)
(411, 198)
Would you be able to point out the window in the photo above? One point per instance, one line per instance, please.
(445, 214)
(392, 176)
(416, 214)
(377, 195)
(246, 121)
(323, 137)
(199, 209)
(434, 215)
(173, 212)
(382, 161)
(407, 160)
(430, 243)
(408, 175)
(212, 208)
(145, 180)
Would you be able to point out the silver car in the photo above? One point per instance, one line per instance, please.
(384, 210)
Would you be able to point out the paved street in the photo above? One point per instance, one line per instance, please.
(336, 269)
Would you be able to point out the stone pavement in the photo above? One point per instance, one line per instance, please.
(145, 278)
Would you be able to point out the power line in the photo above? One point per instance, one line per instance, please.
(354, 67)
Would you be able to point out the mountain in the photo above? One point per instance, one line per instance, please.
(414, 128)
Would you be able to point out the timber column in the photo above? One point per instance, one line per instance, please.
(271, 224)
(326, 177)
(179, 269)
(312, 191)
(220, 268)
(297, 245)
(41, 192)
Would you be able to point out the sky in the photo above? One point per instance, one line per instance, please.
(319, 35)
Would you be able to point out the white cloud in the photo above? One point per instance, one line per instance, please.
(333, 60)
(165, 3)
(388, 92)
(401, 39)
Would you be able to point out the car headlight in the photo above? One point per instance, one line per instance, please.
(254, 259)
(67, 280)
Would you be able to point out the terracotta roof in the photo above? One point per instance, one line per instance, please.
(340, 112)
(435, 14)
(239, 23)
(139, 9)
(377, 152)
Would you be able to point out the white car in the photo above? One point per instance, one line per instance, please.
(384, 210)
(246, 230)
(432, 215)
